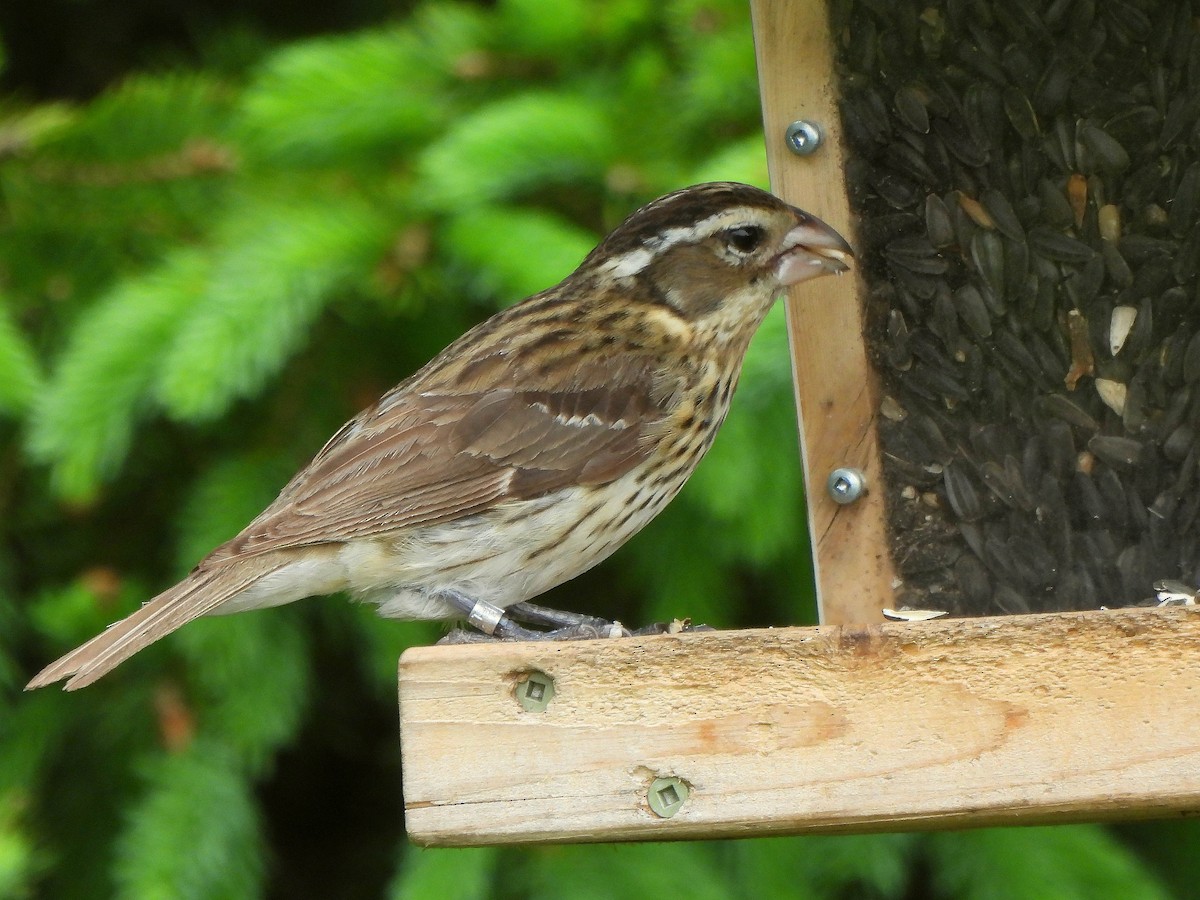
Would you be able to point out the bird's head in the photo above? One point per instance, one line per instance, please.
(719, 252)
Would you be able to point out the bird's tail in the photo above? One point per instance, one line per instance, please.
(199, 593)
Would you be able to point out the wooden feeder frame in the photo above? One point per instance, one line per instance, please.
(852, 725)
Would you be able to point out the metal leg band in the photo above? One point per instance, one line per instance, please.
(485, 616)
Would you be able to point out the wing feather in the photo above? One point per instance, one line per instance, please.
(426, 456)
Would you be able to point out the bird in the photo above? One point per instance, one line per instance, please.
(529, 449)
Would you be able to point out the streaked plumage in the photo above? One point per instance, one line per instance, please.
(529, 449)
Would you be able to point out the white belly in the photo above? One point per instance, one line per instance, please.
(512, 553)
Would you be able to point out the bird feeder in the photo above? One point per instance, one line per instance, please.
(998, 418)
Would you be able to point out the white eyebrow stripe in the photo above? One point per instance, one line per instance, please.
(629, 264)
(727, 218)
(634, 261)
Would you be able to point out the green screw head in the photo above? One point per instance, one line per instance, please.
(667, 796)
(535, 691)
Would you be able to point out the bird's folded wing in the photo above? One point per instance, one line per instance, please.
(420, 458)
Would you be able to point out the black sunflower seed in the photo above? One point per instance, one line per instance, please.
(1181, 213)
(1179, 443)
(1060, 407)
(1104, 151)
(1029, 204)
(1002, 214)
(961, 493)
(1057, 246)
(1187, 260)
(1020, 113)
(1118, 452)
(973, 311)
(1115, 265)
(987, 259)
(1182, 112)
(938, 226)
(1011, 601)
(910, 107)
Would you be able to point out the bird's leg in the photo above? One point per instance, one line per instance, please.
(532, 614)
(487, 618)
(494, 622)
(675, 626)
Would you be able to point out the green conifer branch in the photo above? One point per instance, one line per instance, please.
(195, 834)
(275, 266)
(513, 252)
(21, 377)
(85, 420)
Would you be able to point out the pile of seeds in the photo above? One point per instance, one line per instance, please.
(1027, 181)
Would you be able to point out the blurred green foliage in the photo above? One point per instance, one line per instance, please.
(202, 274)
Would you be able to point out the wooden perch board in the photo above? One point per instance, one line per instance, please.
(834, 383)
(900, 725)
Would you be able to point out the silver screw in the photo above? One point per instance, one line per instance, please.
(845, 485)
(803, 137)
(667, 796)
(535, 691)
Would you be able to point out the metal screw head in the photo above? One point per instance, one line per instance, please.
(535, 691)
(845, 485)
(803, 137)
(667, 796)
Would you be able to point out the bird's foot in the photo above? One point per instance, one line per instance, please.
(492, 623)
(515, 632)
(555, 619)
(562, 620)
(675, 626)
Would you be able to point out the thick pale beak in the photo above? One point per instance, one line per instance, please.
(810, 250)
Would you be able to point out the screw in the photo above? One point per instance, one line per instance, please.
(667, 796)
(845, 485)
(535, 691)
(803, 137)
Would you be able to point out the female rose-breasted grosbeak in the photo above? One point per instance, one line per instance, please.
(529, 449)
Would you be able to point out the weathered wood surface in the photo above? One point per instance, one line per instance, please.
(899, 725)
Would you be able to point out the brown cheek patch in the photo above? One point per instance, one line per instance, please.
(694, 279)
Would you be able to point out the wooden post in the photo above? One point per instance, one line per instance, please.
(835, 391)
(901, 725)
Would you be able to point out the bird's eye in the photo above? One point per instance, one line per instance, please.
(744, 238)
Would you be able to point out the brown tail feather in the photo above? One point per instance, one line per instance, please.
(199, 593)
